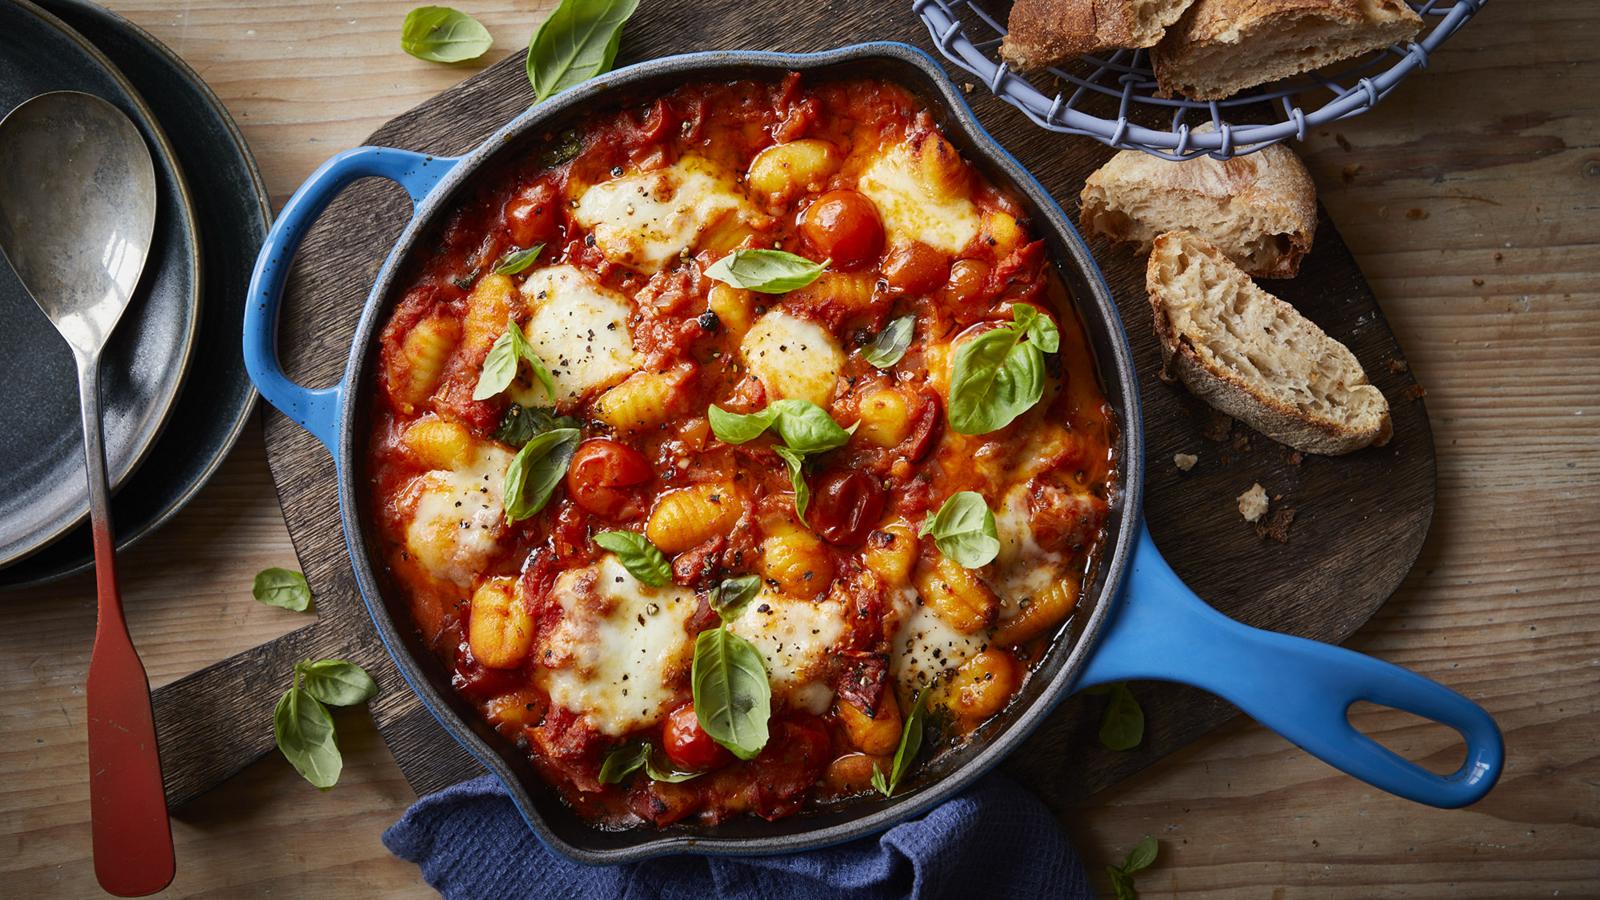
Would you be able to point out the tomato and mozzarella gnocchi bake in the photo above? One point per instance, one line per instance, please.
(738, 450)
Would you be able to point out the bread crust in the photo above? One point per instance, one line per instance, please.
(1271, 184)
(1210, 24)
(1043, 33)
(1232, 394)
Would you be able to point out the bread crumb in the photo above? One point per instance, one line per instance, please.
(1278, 528)
(1218, 426)
(1295, 457)
(1241, 442)
(1415, 392)
(1184, 461)
(1399, 366)
(1253, 503)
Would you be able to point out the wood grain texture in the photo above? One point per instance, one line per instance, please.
(1469, 199)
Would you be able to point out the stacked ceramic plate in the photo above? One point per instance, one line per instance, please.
(173, 383)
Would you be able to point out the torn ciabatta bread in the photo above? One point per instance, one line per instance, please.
(1259, 209)
(1042, 33)
(1221, 47)
(1254, 357)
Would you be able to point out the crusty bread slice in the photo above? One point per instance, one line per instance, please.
(1042, 33)
(1221, 47)
(1254, 357)
(1260, 209)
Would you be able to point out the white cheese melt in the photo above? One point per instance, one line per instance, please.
(619, 655)
(925, 646)
(795, 638)
(1024, 569)
(913, 212)
(644, 220)
(580, 330)
(793, 357)
(457, 517)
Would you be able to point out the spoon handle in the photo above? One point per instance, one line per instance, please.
(128, 807)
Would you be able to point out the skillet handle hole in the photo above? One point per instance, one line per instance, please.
(1432, 745)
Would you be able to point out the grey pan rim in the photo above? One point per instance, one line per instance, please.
(223, 447)
(1061, 665)
(162, 412)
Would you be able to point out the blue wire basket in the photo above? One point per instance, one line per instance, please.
(1113, 98)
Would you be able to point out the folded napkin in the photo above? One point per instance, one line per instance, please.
(994, 841)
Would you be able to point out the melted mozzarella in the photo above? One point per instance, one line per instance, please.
(925, 647)
(644, 220)
(456, 518)
(1024, 568)
(580, 330)
(912, 212)
(620, 654)
(795, 638)
(793, 357)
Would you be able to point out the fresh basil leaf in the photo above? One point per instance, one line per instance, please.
(892, 342)
(766, 271)
(660, 769)
(535, 471)
(910, 746)
(964, 530)
(739, 428)
(1141, 856)
(623, 761)
(282, 587)
(336, 682)
(304, 732)
(807, 428)
(565, 148)
(797, 478)
(1121, 884)
(1040, 330)
(520, 424)
(577, 42)
(1122, 728)
(640, 557)
(443, 35)
(732, 698)
(525, 352)
(733, 594)
(995, 379)
(500, 366)
(516, 261)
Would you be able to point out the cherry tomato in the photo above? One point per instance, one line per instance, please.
(533, 216)
(845, 505)
(916, 268)
(843, 226)
(688, 745)
(602, 470)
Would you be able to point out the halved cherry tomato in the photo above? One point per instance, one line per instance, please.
(688, 745)
(533, 216)
(601, 474)
(843, 226)
(845, 505)
(916, 268)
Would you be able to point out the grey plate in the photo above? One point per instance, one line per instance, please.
(231, 206)
(42, 489)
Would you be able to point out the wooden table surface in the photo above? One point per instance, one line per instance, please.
(1472, 200)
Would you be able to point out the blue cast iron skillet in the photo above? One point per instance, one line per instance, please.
(1138, 620)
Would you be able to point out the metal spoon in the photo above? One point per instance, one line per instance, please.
(77, 211)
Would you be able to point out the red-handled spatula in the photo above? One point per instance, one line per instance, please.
(77, 210)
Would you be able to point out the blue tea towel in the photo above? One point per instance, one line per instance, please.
(994, 841)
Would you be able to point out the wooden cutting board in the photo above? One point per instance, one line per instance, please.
(1360, 520)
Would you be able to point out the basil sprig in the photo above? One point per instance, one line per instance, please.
(1122, 725)
(732, 698)
(444, 35)
(283, 588)
(642, 559)
(999, 375)
(509, 351)
(766, 271)
(535, 471)
(635, 755)
(892, 342)
(732, 595)
(577, 42)
(796, 464)
(1139, 859)
(906, 753)
(964, 530)
(520, 424)
(805, 428)
(302, 725)
(516, 261)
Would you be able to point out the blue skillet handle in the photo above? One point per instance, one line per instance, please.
(317, 410)
(1301, 689)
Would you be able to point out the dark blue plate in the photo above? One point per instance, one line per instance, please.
(43, 493)
(230, 204)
